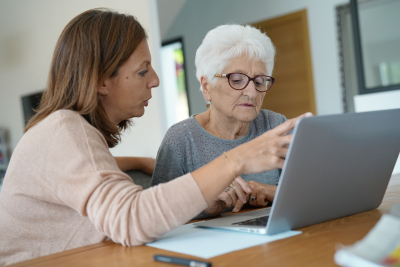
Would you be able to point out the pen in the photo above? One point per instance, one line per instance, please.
(181, 261)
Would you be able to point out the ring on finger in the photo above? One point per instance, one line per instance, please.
(253, 198)
(227, 189)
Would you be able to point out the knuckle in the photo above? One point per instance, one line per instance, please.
(291, 122)
(274, 160)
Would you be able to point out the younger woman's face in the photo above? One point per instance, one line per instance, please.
(126, 94)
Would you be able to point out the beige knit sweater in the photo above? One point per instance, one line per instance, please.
(63, 189)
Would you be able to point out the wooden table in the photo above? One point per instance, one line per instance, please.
(315, 247)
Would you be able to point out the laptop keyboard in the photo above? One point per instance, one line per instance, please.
(260, 221)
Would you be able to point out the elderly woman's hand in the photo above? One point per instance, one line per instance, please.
(236, 196)
(261, 194)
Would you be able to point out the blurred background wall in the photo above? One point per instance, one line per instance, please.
(29, 31)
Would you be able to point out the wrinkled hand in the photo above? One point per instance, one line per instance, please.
(261, 194)
(236, 196)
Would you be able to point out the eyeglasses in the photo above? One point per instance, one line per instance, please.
(239, 81)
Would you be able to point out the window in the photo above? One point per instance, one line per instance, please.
(174, 81)
(376, 44)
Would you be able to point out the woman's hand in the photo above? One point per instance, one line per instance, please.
(240, 193)
(261, 194)
(237, 196)
(266, 152)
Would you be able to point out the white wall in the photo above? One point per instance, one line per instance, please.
(168, 11)
(28, 33)
(198, 17)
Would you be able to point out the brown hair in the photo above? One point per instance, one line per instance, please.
(91, 48)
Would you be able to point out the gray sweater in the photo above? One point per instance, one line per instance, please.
(187, 146)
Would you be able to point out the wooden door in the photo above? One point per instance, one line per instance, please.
(293, 92)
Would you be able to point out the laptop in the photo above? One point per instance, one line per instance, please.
(336, 166)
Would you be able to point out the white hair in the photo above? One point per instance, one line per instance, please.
(227, 42)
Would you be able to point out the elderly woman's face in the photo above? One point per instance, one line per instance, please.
(241, 105)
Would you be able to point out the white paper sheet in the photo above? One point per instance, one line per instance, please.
(207, 242)
(381, 240)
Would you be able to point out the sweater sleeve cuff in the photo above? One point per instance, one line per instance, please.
(190, 200)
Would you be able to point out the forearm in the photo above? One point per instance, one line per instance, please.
(214, 177)
(130, 216)
(127, 163)
(135, 163)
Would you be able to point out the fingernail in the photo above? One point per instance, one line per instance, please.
(235, 210)
(243, 200)
(248, 190)
(309, 114)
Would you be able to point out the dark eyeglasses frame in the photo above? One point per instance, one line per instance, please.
(227, 75)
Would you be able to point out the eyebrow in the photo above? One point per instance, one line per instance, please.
(242, 71)
(146, 62)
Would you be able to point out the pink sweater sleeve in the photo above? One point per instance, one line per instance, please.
(131, 216)
(85, 177)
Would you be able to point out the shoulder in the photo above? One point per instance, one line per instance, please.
(67, 123)
(179, 139)
(181, 130)
(67, 135)
(62, 118)
(171, 156)
(268, 119)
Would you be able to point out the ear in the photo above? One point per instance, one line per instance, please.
(103, 87)
(205, 86)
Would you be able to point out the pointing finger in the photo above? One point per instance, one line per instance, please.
(288, 125)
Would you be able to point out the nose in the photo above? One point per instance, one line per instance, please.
(155, 81)
(250, 90)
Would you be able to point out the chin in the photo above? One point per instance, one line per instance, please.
(136, 111)
(248, 116)
(139, 113)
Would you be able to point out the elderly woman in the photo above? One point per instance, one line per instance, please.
(63, 189)
(234, 66)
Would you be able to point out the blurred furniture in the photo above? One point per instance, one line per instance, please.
(314, 247)
(293, 90)
(30, 103)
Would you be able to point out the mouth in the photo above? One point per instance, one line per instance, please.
(246, 105)
(146, 103)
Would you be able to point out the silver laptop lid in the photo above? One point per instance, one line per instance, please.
(336, 166)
